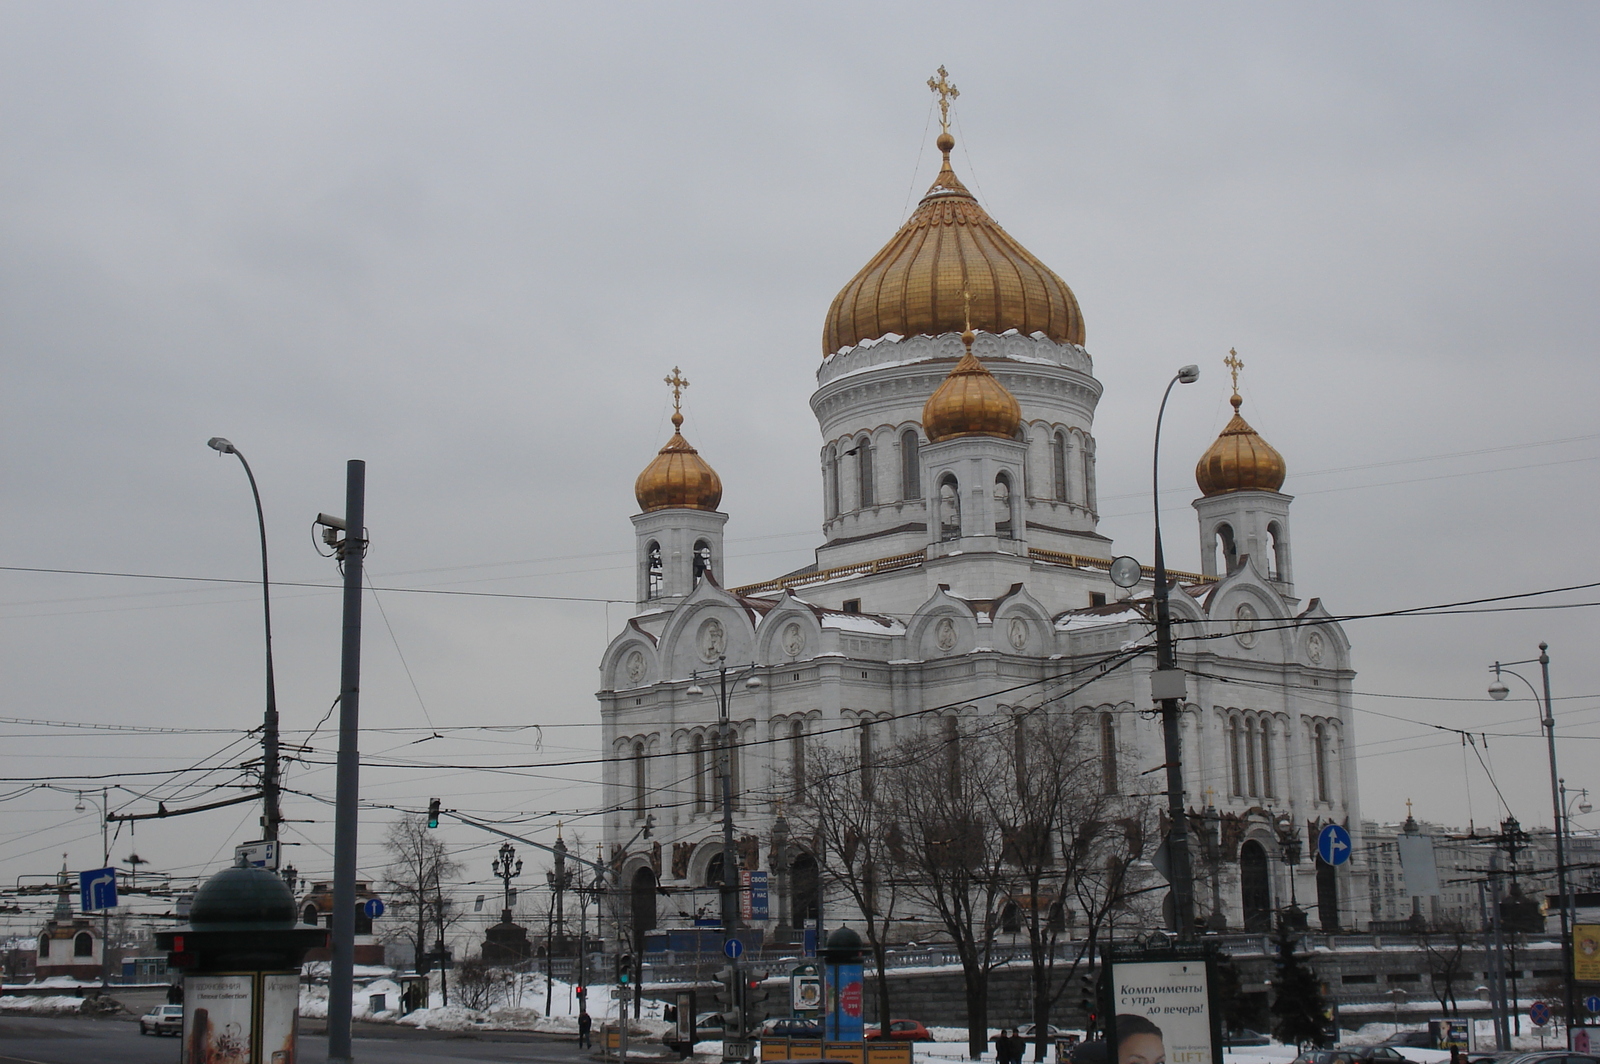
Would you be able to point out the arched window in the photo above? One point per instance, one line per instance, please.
(1234, 757)
(864, 472)
(1254, 889)
(1108, 753)
(1320, 738)
(44, 948)
(797, 758)
(1010, 918)
(714, 870)
(83, 944)
(1058, 465)
(702, 560)
(949, 508)
(910, 465)
(1250, 757)
(1266, 759)
(1057, 919)
(697, 758)
(639, 779)
(1088, 475)
(868, 761)
(309, 916)
(643, 905)
(364, 922)
(830, 473)
(1002, 506)
(1230, 554)
(951, 735)
(1280, 549)
(805, 890)
(653, 574)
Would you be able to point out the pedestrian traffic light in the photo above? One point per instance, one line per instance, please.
(756, 990)
(624, 968)
(729, 993)
(433, 812)
(1089, 1002)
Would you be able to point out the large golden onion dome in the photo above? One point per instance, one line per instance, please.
(970, 402)
(1239, 460)
(677, 478)
(949, 249)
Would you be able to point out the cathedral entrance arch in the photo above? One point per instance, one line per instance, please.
(804, 884)
(643, 907)
(1255, 890)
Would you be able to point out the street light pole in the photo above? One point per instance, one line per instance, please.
(1167, 686)
(1498, 691)
(271, 815)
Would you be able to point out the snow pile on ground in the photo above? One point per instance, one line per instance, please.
(44, 1006)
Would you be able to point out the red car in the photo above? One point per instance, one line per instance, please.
(901, 1031)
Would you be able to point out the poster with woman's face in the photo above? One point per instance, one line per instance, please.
(1163, 1012)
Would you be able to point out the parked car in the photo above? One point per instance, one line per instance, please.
(1381, 1054)
(707, 1028)
(790, 1027)
(1325, 1056)
(1413, 1039)
(901, 1031)
(1052, 1032)
(1246, 1037)
(1555, 1056)
(163, 1019)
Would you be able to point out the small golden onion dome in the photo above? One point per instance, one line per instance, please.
(678, 478)
(1239, 460)
(950, 248)
(970, 402)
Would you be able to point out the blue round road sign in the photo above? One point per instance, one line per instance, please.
(1333, 845)
(733, 948)
(373, 908)
(1539, 1013)
(1592, 1003)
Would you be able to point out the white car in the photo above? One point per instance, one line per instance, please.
(163, 1019)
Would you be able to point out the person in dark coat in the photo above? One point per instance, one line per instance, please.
(584, 1024)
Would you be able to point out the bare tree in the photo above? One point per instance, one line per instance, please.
(839, 805)
(1069, 840)
(950, 856)
(419, 865)
(1448, 961)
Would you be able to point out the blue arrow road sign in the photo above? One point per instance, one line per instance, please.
(373, 908)
(1333, 845)
(1592, 1003)
(733, 948)
(97, 889)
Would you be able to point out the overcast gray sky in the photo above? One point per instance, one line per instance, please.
(465, 242)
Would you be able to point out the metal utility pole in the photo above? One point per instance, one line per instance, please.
(271, 814)
(347, 788)
(1547, 720)
(1167, 687)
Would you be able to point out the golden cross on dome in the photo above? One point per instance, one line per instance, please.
(1235, 364)
(947, 91)
(678, 383)
(1408, 808)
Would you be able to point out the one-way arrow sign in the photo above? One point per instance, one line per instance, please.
(97, 889)
(1333, 845)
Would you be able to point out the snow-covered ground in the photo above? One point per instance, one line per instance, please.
(42, 1006)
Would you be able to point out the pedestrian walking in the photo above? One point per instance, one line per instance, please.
(584, 1024)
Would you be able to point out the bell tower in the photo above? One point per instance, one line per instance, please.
(678, 533)
(1242, 512)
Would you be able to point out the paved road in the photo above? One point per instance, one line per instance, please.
(74, 1040)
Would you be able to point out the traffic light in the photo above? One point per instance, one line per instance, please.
(433, 812)
(1089, 1002)
(728, 995)
(756, 990)
(624, 968)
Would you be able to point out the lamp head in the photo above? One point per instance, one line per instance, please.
(753, 682)
(220, 445)
(1585, 807)
(1188, 374)
(1498, 690)
(695, 690)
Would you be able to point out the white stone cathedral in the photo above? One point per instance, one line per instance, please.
(960, 558)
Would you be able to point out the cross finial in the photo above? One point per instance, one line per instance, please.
(1408, 808)
(678, 382)
(1234, 364)
(947, 91)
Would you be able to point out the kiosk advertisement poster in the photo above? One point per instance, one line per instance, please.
(845, 993)
(280, 1015)
(217, 1015)
(1161, 1011)
(1586, 952)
